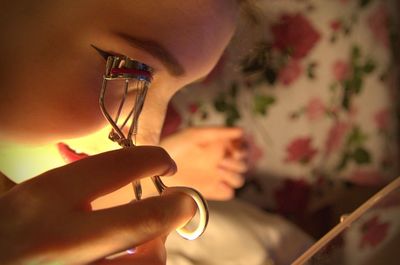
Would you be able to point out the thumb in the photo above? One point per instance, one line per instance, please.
(109, 230)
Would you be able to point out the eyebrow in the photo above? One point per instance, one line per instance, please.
(156, 50)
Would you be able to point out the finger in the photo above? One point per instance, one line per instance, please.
(153, 252)
(233, 165)
(150, 253)
(164, 238)
(112, 230)
(232, 179)
(238, 154)
(89, 178)
(205, 135)
(237, 149)
(223, 191)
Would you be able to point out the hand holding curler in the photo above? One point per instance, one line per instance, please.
(48, 220)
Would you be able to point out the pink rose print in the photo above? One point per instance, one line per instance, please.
(353, 111)
(374, 232)
(290, 72)
(172, 122)
(378, 22)
(315, 109)
(300, 150)
(336, 136)
(382, 119)
(366, 177)
(295, 34)
(255, 153)
(293, 197)
(336, 25)
(193, 108)
(390, 201)
(341, 70)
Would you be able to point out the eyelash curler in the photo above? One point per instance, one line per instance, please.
(127, 73)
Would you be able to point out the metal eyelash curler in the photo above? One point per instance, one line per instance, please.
(122, 69)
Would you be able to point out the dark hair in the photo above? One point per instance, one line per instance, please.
(249, 10)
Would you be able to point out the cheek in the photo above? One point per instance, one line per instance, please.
(75, 99)
(63, 103)
(152, 117)
(78, 110)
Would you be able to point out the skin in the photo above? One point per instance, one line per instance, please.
(54, 86)
(51, 78)
(43, 221)
(208, 160)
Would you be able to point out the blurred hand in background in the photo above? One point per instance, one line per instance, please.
(210, 159)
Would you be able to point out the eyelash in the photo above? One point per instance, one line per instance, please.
(105, 54)
(102, 53)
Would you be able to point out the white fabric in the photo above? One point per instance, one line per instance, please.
(238, 233)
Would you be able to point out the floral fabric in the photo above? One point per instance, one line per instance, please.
(314, 86)
(373, 238)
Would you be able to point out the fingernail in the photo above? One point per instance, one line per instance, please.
(131, 251)
(172, 169)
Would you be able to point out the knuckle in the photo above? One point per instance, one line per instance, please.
(156, 220)
(151, 225)
(26, 203)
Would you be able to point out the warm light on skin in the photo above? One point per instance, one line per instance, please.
(51, 92)
(35, 160)
(41, 158)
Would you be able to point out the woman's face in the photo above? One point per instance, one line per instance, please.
(51, 75)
